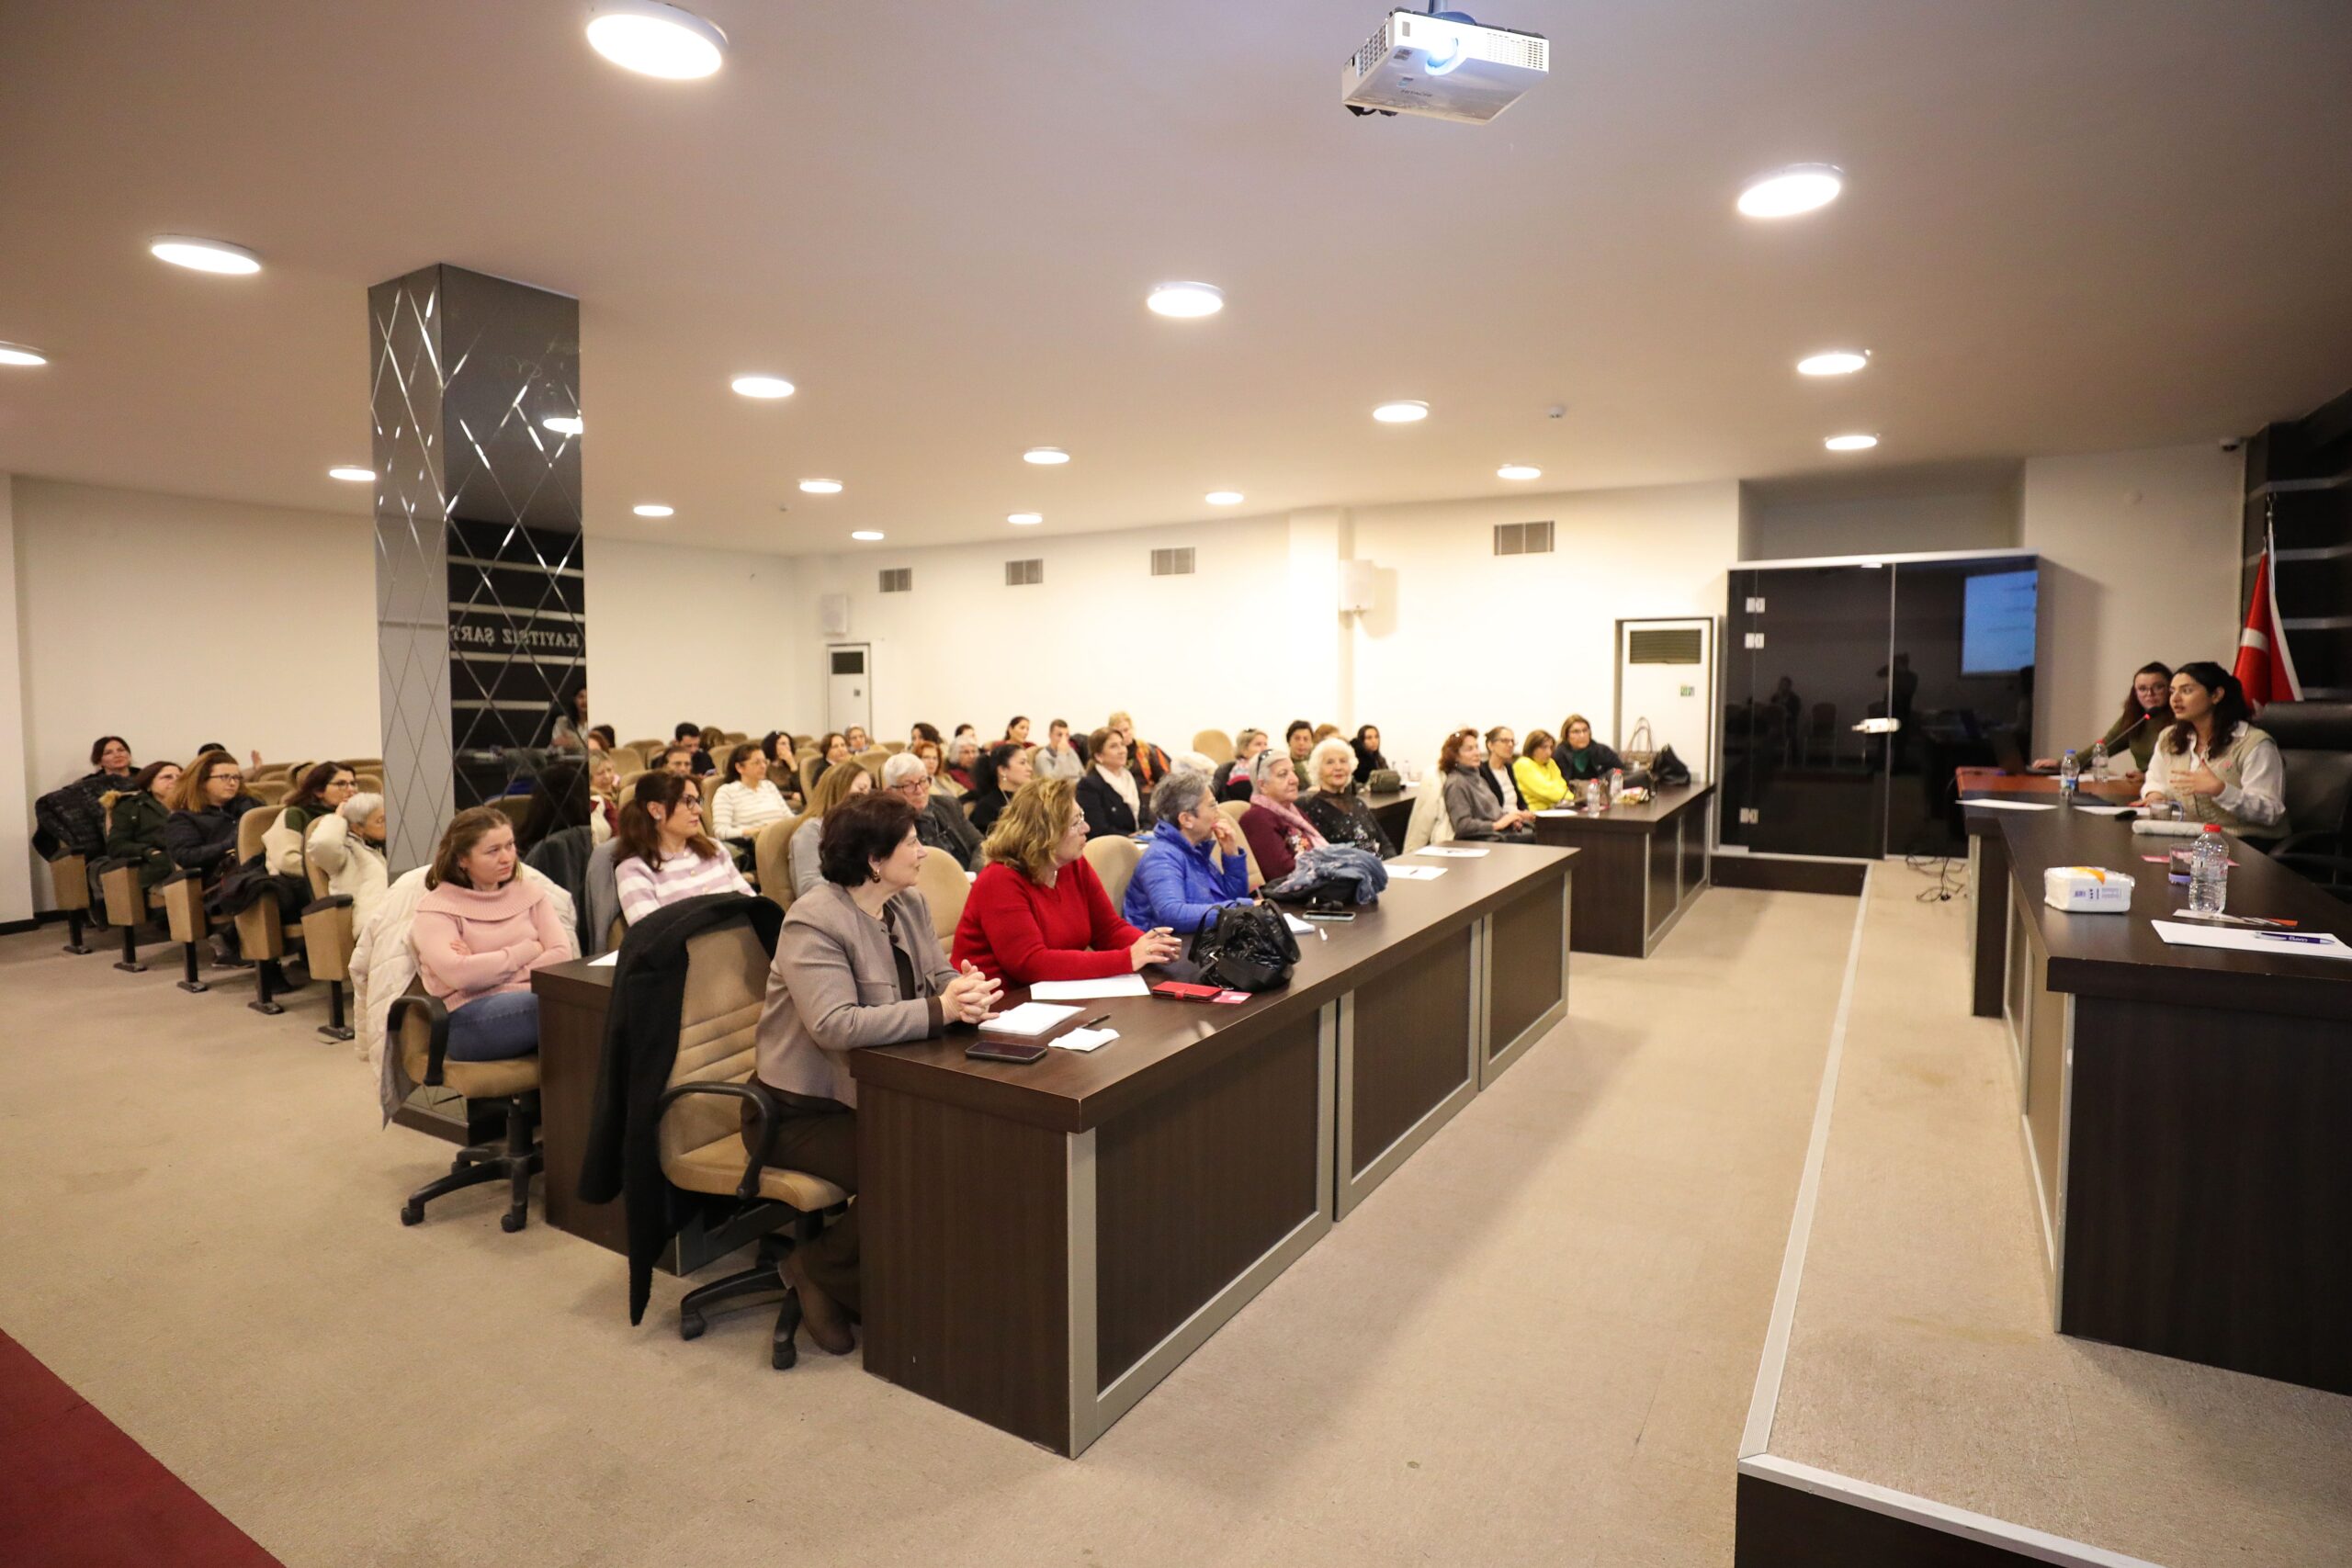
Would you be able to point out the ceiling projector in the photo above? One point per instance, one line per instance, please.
(1442, 64)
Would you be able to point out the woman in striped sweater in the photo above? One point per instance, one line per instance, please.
(664, 855)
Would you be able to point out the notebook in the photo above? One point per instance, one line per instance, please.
(1029, 1020)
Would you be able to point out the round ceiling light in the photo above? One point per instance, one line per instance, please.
(1187, 299)
(203, 255)
(1834, 362)
(562, 423)
(17, 354)
(655, 39)
(1405, 412)
(1784, 193)
(820, 487)
(353, 475)
(1223, 498)
(654, 509)
(1044, 456)
(868, 536)
(1855, 442)
(1518, 471)
(761, 386)
(1024, 519)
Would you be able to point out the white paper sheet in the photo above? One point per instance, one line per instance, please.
(1297, 926)
(1085, 1039)
(2014, 805)
(1029, 1020)
(1560, 811)
(1089, 990)
(2304, 945)
(611, 958)
(1415, 872)
(1454, 851)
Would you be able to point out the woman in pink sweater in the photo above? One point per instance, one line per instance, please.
(479, 931)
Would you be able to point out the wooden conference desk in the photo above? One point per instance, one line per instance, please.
(2185, 1112)
(1042, 1245)
(1988, 865)
(1639, 869)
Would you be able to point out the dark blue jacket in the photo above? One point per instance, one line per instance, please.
(1179, 885)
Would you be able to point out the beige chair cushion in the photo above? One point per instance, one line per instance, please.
(1214, 744)
(770, 858)
(475, 1080)
(944, 887)
(1233, 810)
(727, 984)
(718, 1166)
(1113, 858)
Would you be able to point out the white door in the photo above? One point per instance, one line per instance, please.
(849, 690)
(1666, 673)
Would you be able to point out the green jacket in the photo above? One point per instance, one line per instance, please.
(135, 831)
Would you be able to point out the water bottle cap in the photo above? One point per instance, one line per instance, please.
(2212, 826)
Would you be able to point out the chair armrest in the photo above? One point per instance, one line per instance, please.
(182, 874)
(2332, 872)
(437, 1029)
(766, 1112)
(331, 901)
(2307, 839)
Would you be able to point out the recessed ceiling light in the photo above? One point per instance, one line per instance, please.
(820, 487)
(866, 535)
(1024, 519)
(1834, 362)
(562, 423)
(1856, 442)
(654, 509)
(1223, 498)
(1518, 471)
(353, 475)
(1187, 299)
(17, 354)
(1045, 456)
(203, 255)
(1404, 412)
(655, 39)
(762, 386)
(1784, 193)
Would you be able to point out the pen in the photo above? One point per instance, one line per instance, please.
(1098, 1018)
(2287, 936)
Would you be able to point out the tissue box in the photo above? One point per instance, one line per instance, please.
(2086, 890)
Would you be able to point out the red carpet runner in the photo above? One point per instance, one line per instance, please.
(76, 1492)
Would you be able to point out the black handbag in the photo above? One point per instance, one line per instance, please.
(1668, 769)
(1246, 947)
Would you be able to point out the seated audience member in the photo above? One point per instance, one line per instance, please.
(679, 760)
(110, 766)
(1038, 912)
(831, 750)
(1016, 729)
(216, 746)
(607, 736)
(689, 735)
(963, 731)
(1366, 747)
(2214, 761)
(1277, 830)
(1108, 793)
(664, 855)
(1470, 806)
(1541, 786)
(748, 800)
(713, 747)
(1193, 865)
(320, 792)
(1147, 762)
(603, 798)
(1232, 779)
(571, 724)
(835, 787)
(1298, 737)
(1581, 757)
(2147, 713)
(940, 823)
(1057, 758)
(1009, 768)
(930, 755)
(1323, 732)
(201, 834)
(1502, 749)
(920, 733)
(481, 930)
(135, 819)
(562, 797)
(1338, 812)
(349, 847)
(857, 965)
(963, 764)
(858, 739)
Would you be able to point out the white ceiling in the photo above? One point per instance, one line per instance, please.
(2070, 225)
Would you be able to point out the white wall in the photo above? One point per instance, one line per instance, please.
(2140, 562)
(718, 637)
(1956, 519)
(15, 805)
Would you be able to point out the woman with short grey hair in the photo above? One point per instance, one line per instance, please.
(1194, 865)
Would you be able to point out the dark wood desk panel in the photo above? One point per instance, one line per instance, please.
(1636, 874)
(1406, 1046)
(1393, 810)
(1527, 971)
(1988, 864)
(574, 1000)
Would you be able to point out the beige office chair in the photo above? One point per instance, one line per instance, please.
(1233, 810)
(701, 1115)
(419, 1028)
(944, 887)
(872, 757)
(735, 737)
(626, 761)
(1215, 745)
(329, 935)
(771, 858)
(894, 747)
(1113, 858)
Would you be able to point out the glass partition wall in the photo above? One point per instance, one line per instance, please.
(1854, 689)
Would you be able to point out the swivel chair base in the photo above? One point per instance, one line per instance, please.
(515, 1162)
(763, 1278)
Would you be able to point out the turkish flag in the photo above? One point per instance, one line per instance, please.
(2266, 670)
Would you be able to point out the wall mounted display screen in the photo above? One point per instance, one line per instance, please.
(1997, 622)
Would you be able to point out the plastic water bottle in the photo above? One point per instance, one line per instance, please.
(2099, 762)
(2070, 773)
(1593, 798)
(1616, 786)
(2209, 872)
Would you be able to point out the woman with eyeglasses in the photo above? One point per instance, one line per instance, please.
(835, 787)
(202, 833)
(664, 855)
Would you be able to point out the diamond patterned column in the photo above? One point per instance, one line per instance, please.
(479, 617)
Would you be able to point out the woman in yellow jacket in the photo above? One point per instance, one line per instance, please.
(1537, 776)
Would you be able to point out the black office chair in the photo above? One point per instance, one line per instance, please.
(2315, 753)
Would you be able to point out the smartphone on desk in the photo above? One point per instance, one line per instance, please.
(1335, 917)
(1012, 1051)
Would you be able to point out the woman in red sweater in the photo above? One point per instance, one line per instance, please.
(1038, 912)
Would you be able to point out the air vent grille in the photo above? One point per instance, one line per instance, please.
(1176, 561)
(1025, 573)
(1667, 645)
(1523, 538)
(898, 580)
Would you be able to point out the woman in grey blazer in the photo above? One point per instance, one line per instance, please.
(1470, 804)
(857, 964)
